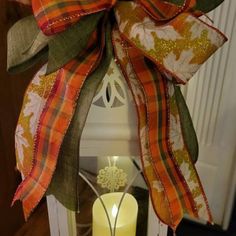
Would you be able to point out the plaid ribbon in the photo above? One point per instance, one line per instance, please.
(54, 121)
(160, 164)
(68, 162)
(132, 28)
(154, 87)
(153, 81)
(54, 16)
(153, 57)
(166, 10)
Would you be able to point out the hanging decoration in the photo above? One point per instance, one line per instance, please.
(111, 177)
(157, 45)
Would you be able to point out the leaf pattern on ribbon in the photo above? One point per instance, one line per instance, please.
(198, 30)
(146, 30)
(20, 142)
(33, 104)
(33, 108)
(182, 66)
(122, 23)
(193, 186)
(131, 74)
(158, 186)
(175, 133)
(202, 210)
(216, 40)
(184, 167)
(180, 45)
(144, 145)
(182, 158)
(186, 171)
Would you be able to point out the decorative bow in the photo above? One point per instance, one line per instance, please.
(157, 45)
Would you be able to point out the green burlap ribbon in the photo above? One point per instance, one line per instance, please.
(68, 162)
(68, 44)
(189, 134)
(27, 45)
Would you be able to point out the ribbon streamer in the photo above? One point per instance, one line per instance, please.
(68, 164)
(157, 45)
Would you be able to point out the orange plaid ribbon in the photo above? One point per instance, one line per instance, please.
(55, 16)
(153, 56)
(153, 113)
(54, 122)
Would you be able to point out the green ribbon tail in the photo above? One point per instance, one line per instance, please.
(64, 184)
(189, 134)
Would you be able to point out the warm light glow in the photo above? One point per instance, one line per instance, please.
(114, 211)
(126, 222)
(115, 158)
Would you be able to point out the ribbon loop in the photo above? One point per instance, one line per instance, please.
(26, 45)
(54, 16)
(178, 47)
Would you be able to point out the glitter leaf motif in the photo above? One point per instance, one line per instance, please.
(175, 133)
(112, 178)
(182, 66)
(147, 29)
(33, 108)
(21, 142)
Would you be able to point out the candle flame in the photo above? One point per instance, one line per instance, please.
(115, 158)
(114, 211)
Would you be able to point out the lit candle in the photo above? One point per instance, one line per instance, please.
(127, 215)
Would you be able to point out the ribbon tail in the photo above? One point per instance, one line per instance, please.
(159, 200)
(68, 161)
(155, 88)
(167, 178)
(182, 153)
(35, 97)
(187, 128)
(53, 124)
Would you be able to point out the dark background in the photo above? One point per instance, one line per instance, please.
(11, 94)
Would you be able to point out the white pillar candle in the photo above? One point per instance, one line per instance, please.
(127, 216)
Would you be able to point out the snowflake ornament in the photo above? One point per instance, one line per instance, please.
(112, 178)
